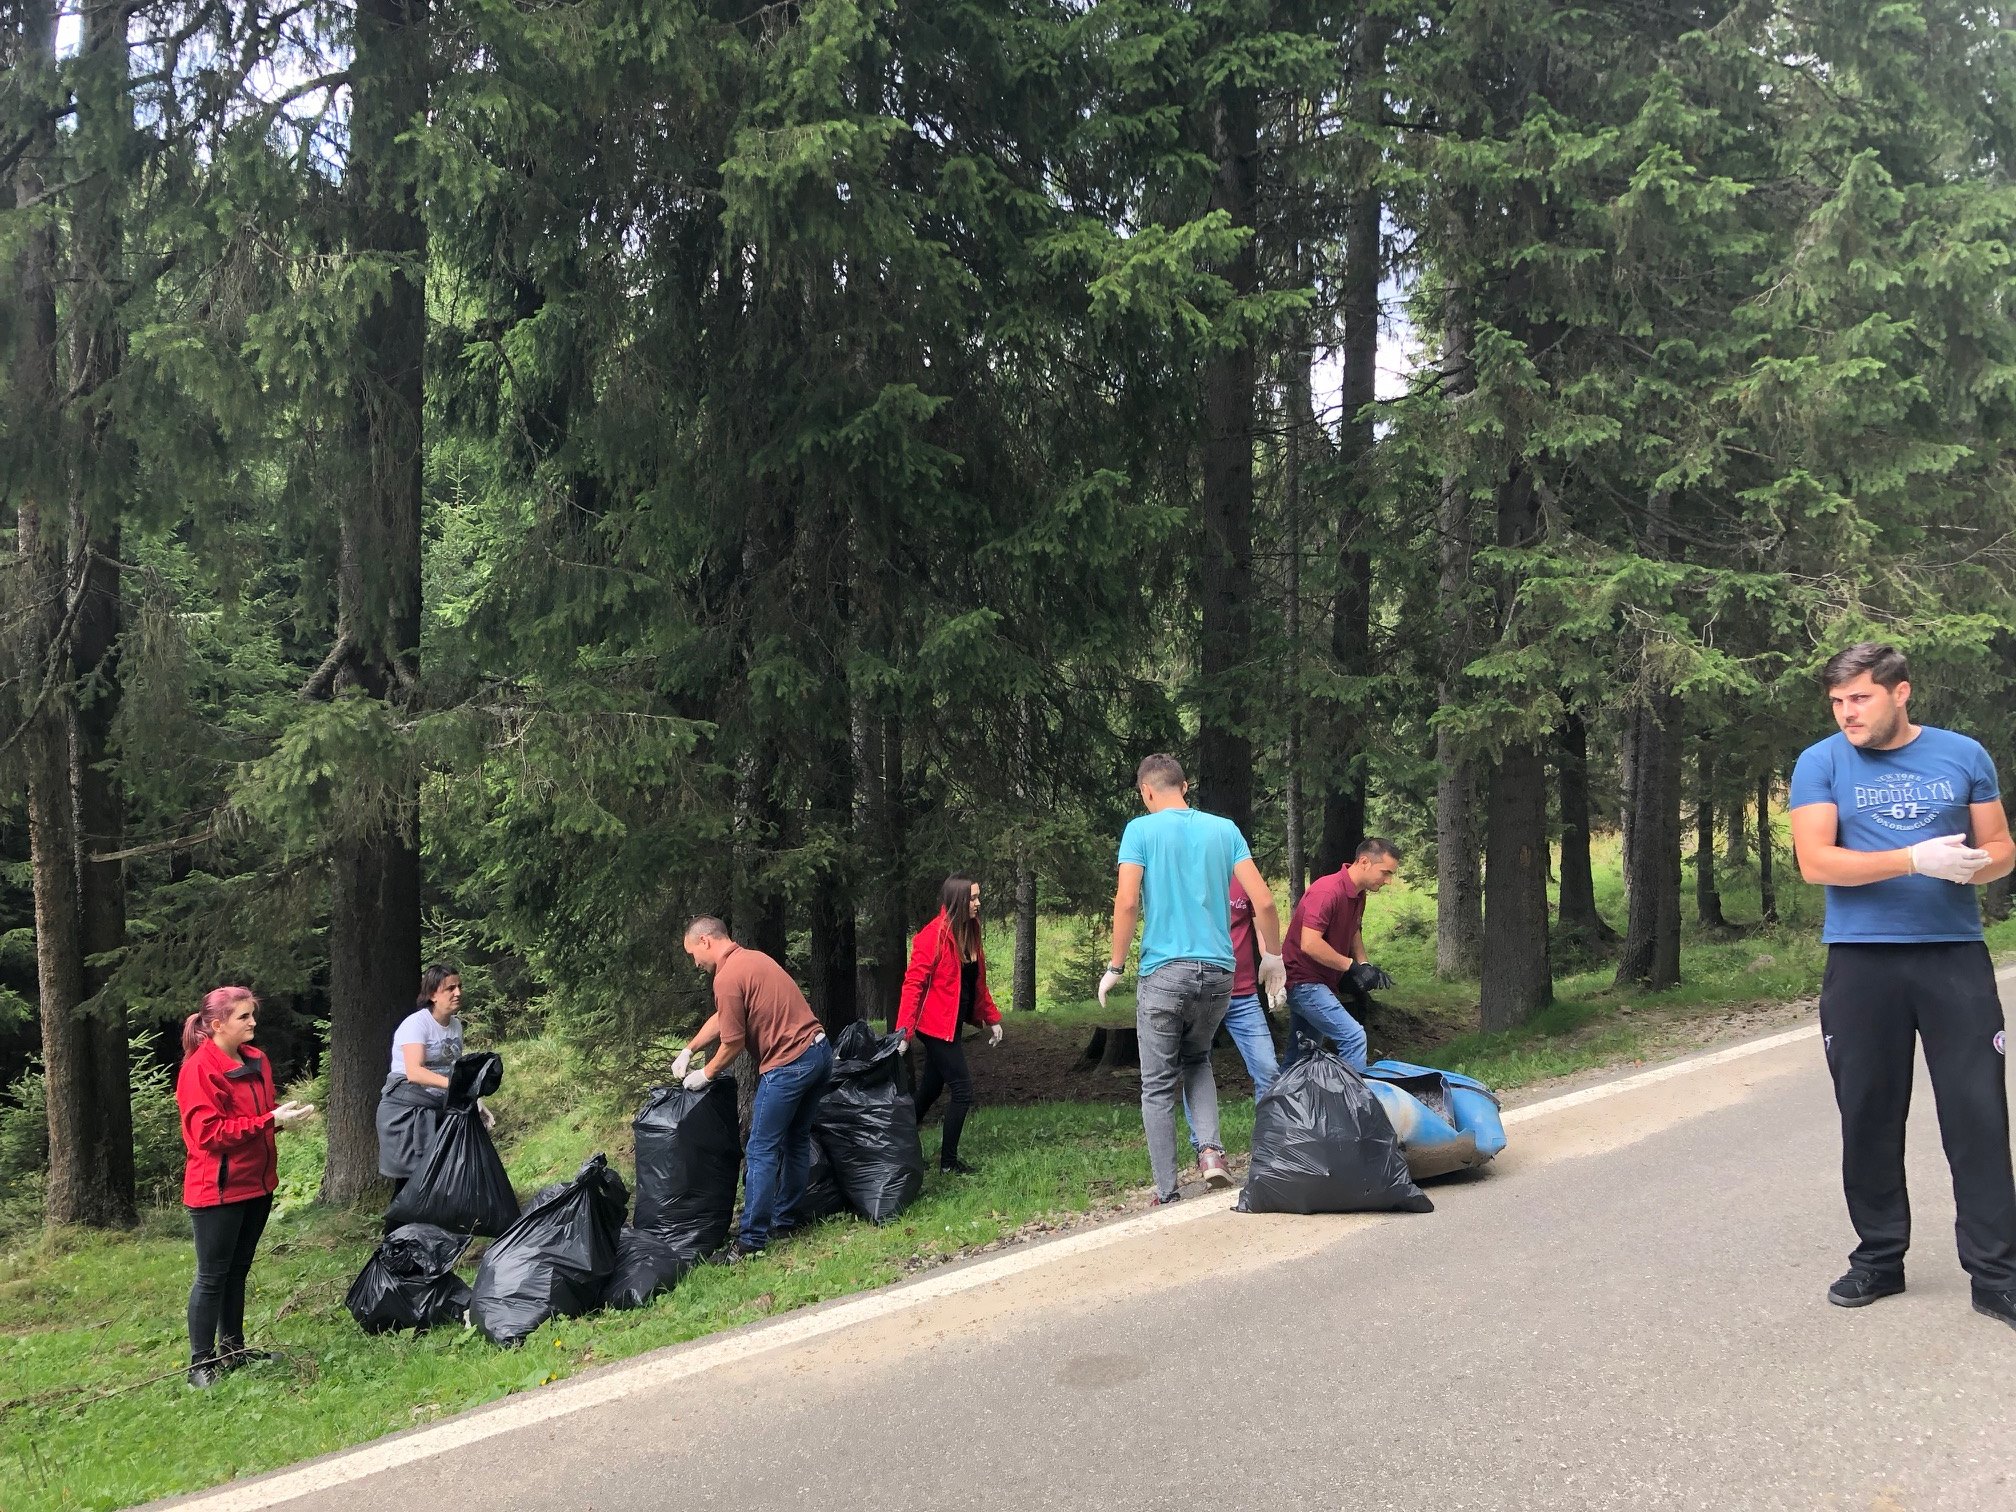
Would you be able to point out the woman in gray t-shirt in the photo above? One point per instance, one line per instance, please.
(425, 1047)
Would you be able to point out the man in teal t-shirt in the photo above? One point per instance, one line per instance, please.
(1176, 867)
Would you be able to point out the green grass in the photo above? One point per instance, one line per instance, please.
(93, 1414)
(91, 1330)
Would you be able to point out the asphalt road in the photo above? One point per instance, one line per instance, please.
(1627, 1311)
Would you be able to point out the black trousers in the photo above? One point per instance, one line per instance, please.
(945, 1066)
(227, 1236)
(1875, 1000)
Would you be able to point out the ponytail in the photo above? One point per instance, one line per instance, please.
(217, 1006)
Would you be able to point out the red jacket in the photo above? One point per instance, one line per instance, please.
(227, 1127)
(931, 986)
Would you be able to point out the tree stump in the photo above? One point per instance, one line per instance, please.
(1113, 1047)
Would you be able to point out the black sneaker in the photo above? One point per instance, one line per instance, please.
(1158, 1200)
(233, 1355)
(1996, 1304)
(733, 1253)
(1860, 1287)
(205, 1373)
(957, 1167)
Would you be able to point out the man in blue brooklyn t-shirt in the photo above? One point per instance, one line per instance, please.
(1901, 821)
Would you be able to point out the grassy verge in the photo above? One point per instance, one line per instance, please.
(92, 1412)
(91, 1333)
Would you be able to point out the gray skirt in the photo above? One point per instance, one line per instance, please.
(408, 1118)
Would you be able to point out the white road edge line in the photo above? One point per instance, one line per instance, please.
(681, 1361)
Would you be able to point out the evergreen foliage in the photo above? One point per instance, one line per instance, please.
(506, 478)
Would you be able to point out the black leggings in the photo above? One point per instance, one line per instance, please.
(945, 1066)
(226, 1237)
(1875, 1000)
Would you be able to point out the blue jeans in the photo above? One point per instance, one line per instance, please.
(1314, 1010)
(780, 1140)
(1177, 1009)
(1246, 1022)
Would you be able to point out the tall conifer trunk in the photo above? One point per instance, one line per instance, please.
(1707, 896)
(1767, 885)
(1459, 897)
(1650, 955)
(1520, 981)
(75, 1192)
(1025, 939)
(1225, 572)
(1579, 920)
(1301, 428)
(1736, 839)
(1344, 817)
(826, 572)
(102, 468)
(374, 922)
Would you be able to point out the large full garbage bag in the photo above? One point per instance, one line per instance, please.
(556, 1258)
(1321, 1144)
(410, 1281)
(868, 1125)
(689, 1153)
(462, 1187)
(1445, 1121)
(646, 1264)
(823, 1197)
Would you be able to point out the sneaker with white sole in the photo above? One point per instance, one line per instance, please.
(1211, 1164)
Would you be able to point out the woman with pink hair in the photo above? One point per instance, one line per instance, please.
(225, 1094)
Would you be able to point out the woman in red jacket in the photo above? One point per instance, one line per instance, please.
(946, 986)
(225, 1094)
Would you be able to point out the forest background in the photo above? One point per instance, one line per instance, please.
(487, 480)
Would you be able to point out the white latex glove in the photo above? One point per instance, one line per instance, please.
(489, 1118)
(291, 1114)
(682, 1063)
(1273, 978)
(903, 1045)
(993, 1034)
(696, 1081)
(1107, 983)
(1949, 858)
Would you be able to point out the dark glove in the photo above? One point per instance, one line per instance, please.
(1368, 978)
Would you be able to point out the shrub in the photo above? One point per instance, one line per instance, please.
(157, 1130)
(1075, 976)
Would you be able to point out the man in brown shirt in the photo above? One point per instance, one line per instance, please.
(756, 1003)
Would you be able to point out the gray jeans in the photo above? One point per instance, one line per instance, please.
(1176, 1012)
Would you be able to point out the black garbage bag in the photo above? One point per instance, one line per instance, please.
(646, 1264)
(868, 1125)
(462, 1187)
(410, 1281)
(689, 1154)
(823, 1197)
(555, 1259)
(1322, 1144)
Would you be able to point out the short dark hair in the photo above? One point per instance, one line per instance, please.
(1159, 771)
(1885, 664)
(1372, 847)
(430, 983)
(707, 927)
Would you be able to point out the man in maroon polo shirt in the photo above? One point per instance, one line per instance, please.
(1325, 940)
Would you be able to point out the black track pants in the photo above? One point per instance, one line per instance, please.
(1873, 1001)
(227, 1237)
(945, 1066)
